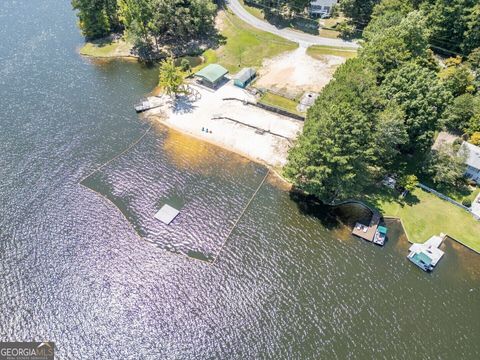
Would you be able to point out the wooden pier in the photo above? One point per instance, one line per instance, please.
(367, 232)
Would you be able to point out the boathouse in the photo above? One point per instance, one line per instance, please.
(212, 75)
(427, 255)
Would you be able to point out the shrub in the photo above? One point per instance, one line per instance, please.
(347, 31)
(475, 138)
(467, 202)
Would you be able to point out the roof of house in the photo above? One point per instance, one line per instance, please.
(422, 257)
(245, 74)
(473, 155)
(212, 72)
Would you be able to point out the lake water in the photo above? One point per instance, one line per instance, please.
(289, 283)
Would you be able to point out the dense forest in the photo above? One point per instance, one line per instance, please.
(148, 23)
(382, 109)
(454, 24)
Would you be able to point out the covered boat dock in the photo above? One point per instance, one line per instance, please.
(427, 255)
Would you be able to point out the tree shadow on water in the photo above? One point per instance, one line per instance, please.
(309, 205)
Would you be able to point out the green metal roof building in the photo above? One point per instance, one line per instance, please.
(212, 75)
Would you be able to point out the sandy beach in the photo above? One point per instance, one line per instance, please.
(213, 116)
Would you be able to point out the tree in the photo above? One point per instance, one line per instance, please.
(386, 14)
(475, 138)
(474, 64)
(472, 32)
(185, 65)
(181, 20)
(149, 23)
(474, 124)
(136, 15)
(97, 18)
(347, 30)
(388, 48)
(422, 97)
(358, 11)
(456, 77)
(335, 155)
(459, 114)
(451, 22)
(408, 182)
(391, 133)
(171, 77)
(446, 164)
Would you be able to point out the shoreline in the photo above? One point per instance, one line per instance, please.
(162, 119)
(158, 119)
(226, 118)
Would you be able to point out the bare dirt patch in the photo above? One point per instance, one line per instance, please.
(293, 73)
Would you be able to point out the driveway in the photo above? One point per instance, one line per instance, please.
(305, 40)
(476, 206)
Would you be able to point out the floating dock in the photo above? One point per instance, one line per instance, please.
(149, 103)
(367, 232)
(166, 214)
(143, 106)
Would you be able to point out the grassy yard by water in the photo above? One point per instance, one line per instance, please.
(106, 48)
(244, 46)
(424, 215)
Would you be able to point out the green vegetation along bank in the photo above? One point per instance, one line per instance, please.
(154, 27)
(380, 114)
(424, 215)
(384, 108)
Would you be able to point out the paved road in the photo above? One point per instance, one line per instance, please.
(292, 35)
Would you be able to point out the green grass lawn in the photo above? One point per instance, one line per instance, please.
(423, 215)
(281, 102)
(102, 48)
(245, 46)
(318, 51)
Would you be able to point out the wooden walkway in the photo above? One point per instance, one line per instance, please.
(367, 232)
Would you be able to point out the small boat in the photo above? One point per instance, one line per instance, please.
(143, 106)
(380, 236)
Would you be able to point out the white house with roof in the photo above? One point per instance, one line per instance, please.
(472, 161)
(322, 8)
